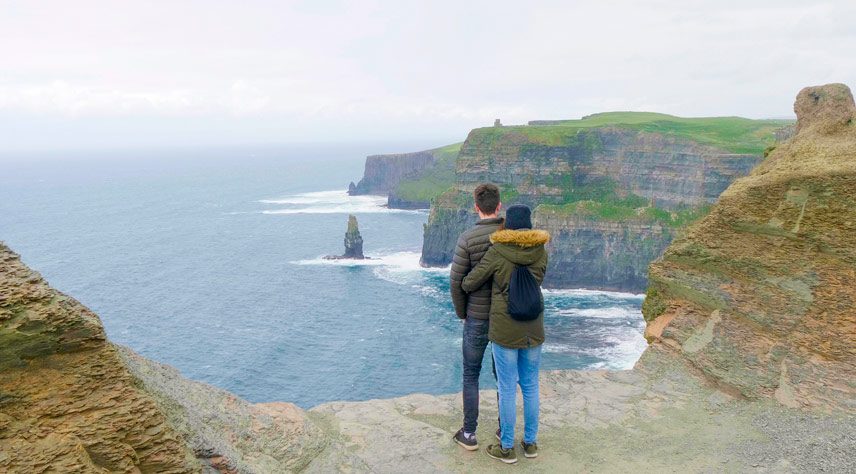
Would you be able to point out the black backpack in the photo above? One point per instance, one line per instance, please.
(524, 295)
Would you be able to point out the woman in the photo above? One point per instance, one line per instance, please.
(516, 344)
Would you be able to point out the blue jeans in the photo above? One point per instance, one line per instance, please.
(474, 344)
(515, 366)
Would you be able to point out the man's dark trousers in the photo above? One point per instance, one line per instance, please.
(474, 344)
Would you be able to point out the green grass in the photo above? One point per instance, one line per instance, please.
(437, 180)
(736, 134)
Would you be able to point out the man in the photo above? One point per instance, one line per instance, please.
(474, 308)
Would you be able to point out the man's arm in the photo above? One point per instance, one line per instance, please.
(482, 272)
(460, 268)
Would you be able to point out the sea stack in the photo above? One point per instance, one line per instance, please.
(353, 243)
(353, 240)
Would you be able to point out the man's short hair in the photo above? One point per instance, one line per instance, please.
(487, 197)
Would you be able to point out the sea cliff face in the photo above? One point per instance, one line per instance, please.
(409, 180)
(614, 254)
(643, 175)
(666, 170)
(760, 295)
(383, 172)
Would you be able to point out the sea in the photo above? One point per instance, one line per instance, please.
(211, 261)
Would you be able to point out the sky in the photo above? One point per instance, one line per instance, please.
(115, 74)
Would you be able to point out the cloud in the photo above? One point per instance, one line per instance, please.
(385, 69)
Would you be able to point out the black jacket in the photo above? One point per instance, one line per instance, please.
(472, 245)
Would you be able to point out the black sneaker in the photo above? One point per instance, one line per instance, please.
(499, 434)
(530, 450)
(466, 440)
(496, 451)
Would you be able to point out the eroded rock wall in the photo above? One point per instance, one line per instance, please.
(67, 403)
(667, 170)
(760, 296)
(609, 255)
(383, 172)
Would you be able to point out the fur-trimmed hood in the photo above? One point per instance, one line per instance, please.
(523, 238)
(521, 247)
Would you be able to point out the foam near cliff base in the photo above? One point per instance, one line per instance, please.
(331, 202)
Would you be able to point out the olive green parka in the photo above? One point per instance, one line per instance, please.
(511, 248)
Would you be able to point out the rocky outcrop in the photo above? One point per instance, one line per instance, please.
(760, 296)
(225, 431)
(383, 172)
(785, 133)
(67, 402)
(353, 242)
(353, 239)
(70, 401)
(396, 201)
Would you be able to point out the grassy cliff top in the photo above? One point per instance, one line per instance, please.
(736, 134)
(434, 182)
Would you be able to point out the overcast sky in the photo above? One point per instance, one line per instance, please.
(81, 74)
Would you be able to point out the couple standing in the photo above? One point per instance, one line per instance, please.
(495, 264)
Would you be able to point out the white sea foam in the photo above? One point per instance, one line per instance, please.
(394, 262)
(332, 202)
(580, 292)
(613, 312)
(314, 198)
(619, 352)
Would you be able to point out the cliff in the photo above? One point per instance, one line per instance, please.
(409, 180)
(70, 401)
(623, 164)
(760, 295)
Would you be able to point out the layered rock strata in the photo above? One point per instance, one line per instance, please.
(70, 401)
(409, 180)
(615, 255)
(760, 296)
(635, 168)
(67, 402)
(383, 172)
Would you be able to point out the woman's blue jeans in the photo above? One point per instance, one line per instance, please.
(515, 366)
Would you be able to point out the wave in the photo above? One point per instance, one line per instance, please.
(618, 352)
(580, 292)
(314, 198)
(613, 312)
(333, 202)
(407, 261)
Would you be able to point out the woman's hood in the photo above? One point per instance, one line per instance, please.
(521, 247)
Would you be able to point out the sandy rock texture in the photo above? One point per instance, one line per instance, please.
(760, 296)
(67, 403)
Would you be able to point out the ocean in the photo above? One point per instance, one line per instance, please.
(210, 260)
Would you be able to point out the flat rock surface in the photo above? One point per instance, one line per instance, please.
(655, 418)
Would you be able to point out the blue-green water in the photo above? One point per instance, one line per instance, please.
(209, 260)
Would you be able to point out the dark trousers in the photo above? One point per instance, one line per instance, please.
(474, 344)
